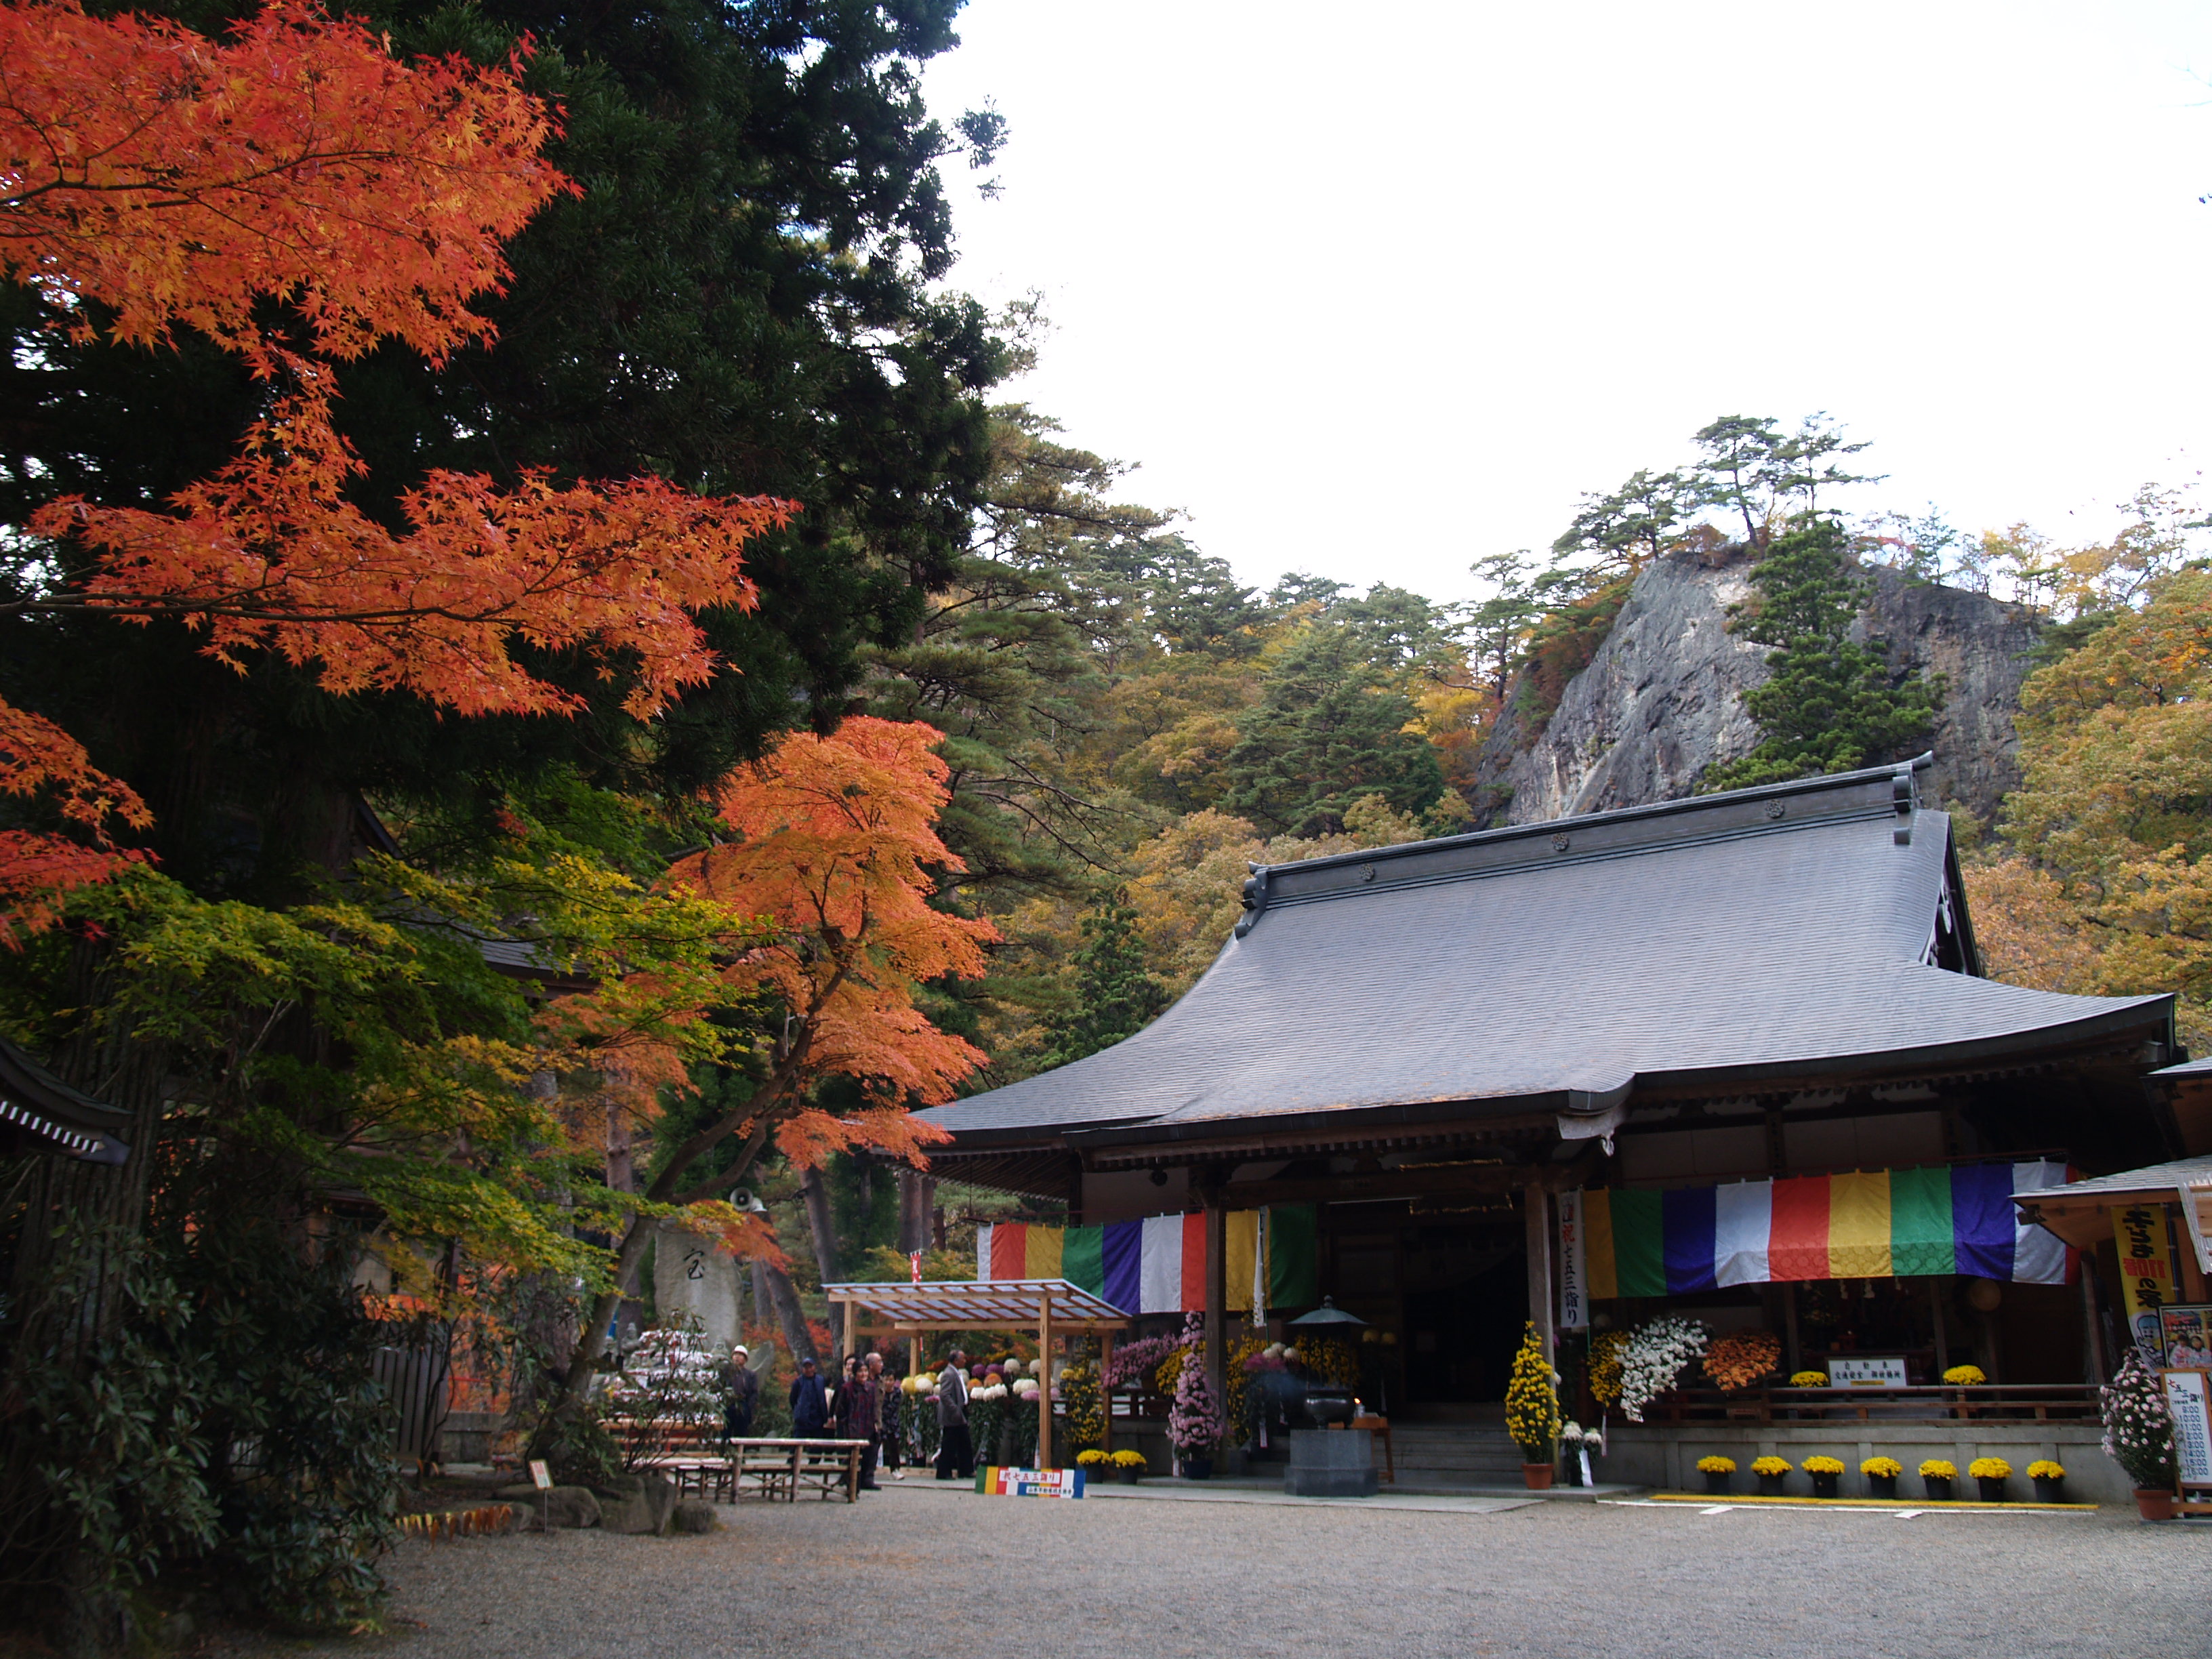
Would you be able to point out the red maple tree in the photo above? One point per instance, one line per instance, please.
(152, 180)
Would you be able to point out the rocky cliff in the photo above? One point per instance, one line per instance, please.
(1662, 699)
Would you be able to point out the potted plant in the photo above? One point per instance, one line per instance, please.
(1964, 1376)
(1094, 1463)
(1532, 1410)
(1194, 1419)
(1938, 1473)
(1772, 1472)
(1990, 1473)
(1808, 1379)
(1129, 1466)
(2139, 1436)
(2049, 1479)
(1825, 1473)
(1881, 1474)
(1716, 1471)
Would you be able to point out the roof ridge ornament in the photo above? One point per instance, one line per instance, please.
(1255, 897)
(1904, 800)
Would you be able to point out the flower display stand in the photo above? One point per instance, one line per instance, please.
(1993, 1488)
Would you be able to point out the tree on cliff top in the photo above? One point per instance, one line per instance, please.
(1830, 704)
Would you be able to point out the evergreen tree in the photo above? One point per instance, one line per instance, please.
(1330, 726)
(1115, 996)
(1831, 704)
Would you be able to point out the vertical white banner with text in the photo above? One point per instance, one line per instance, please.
(1574, 1265)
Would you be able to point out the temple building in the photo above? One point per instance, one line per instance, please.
(1733, 1055)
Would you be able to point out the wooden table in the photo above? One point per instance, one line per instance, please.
(783, 1467)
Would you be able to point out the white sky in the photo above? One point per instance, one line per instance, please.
(1374, 291)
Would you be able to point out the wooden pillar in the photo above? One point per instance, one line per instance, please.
(851, 1332)
(2092, 1336)
(1105, 1399)
(1044, 1381)
(1536, 1207)
(1793, 1350)
(1216, 1297)
(1942, 1337)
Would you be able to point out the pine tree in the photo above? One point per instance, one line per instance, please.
(1115, 996)
(1831, 702)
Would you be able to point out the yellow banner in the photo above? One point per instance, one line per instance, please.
(2146, 1270)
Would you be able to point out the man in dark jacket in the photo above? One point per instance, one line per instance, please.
(809, 1404)
(740, 1394)
(956, 1454)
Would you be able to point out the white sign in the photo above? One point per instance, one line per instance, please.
(2192, 1427)
(1866, 1371)
(540, 1476)
(1574, 1265)
(997, 1482)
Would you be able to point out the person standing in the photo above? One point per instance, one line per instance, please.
(891, 1401)
(956, 1453)
(858, 1417)
(740, 1394)
(810, 1403)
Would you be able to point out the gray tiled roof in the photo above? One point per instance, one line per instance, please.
(2158, 1177)
(1555, 966)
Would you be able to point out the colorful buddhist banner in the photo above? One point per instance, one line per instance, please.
(1157, 1265)
(1879, 1223)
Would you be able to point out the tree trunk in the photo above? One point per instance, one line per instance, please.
(816, 1192)
(916, 1191)
(784, 1297)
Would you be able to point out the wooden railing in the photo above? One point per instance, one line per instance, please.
(2040, 1402)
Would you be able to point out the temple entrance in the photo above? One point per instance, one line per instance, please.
(1447, 1300)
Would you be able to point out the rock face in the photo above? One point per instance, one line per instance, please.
(1663, 700)
(556, 1506)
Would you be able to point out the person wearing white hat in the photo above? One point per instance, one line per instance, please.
(740, 1394)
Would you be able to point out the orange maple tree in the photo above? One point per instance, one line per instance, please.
(827, 883)
(151, 180)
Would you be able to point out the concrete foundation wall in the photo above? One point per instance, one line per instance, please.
(1667, 1457)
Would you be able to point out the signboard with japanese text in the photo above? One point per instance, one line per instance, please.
(1574, 1265)
(2185, 1398)
(1866, 1371)
(996, 1482)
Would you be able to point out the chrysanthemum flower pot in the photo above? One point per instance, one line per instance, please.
(1881, 1485)
(1773, 1485)
(1537, 1476)
(1824, 1485)
(1939, 1488)
(1716, 1483)
(1198, 1468)
(2048, 1491)
(1993, 1488)
(2154, 1503)
(1129, 1476)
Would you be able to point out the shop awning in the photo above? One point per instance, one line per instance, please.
(998, 1305)
(2082, 1212)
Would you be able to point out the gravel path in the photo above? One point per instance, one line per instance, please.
(935, 1570)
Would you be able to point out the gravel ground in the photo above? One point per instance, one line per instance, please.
(938, 1571)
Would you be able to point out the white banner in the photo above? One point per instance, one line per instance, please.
(1574, 1265)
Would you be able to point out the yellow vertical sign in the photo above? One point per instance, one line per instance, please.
(2145, 1274)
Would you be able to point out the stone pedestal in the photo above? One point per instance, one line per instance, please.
(1330, 1463)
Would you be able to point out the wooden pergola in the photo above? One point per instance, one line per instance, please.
(1049, 1307)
